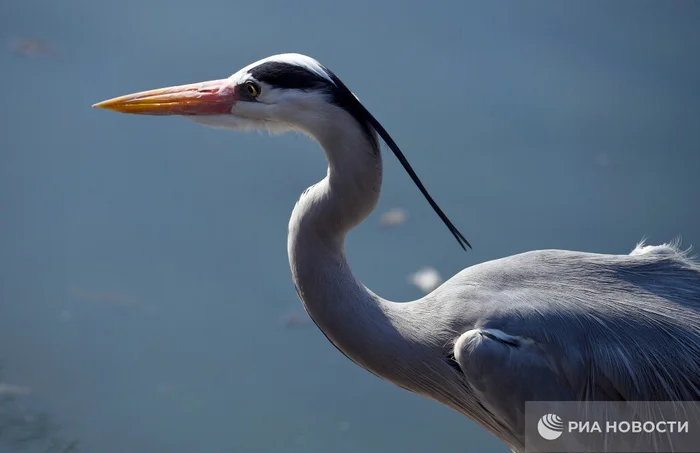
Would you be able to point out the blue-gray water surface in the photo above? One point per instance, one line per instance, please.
(145, 294)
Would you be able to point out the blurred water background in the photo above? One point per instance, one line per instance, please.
(146, 303)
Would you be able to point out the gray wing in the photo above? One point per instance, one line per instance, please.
(504, 371)
(571, 326)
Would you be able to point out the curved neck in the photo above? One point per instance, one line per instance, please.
(350, 190)
(381, 336)
(348, 314)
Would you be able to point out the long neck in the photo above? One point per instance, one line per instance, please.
(386, 338)
(356, 321)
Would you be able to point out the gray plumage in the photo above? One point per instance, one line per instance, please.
(543, 325)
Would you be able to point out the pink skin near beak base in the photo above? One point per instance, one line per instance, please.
(215, 97)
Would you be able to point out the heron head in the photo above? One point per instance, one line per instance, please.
(279, 93)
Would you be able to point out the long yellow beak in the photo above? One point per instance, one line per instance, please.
(215, 97)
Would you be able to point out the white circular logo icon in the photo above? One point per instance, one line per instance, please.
(550, 426)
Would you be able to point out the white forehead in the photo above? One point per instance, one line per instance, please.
(297, 59)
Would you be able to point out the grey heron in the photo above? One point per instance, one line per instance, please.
(541, 325)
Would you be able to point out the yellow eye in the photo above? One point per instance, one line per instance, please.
(253, 89)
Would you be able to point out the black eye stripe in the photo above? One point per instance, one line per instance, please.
(289, 76)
